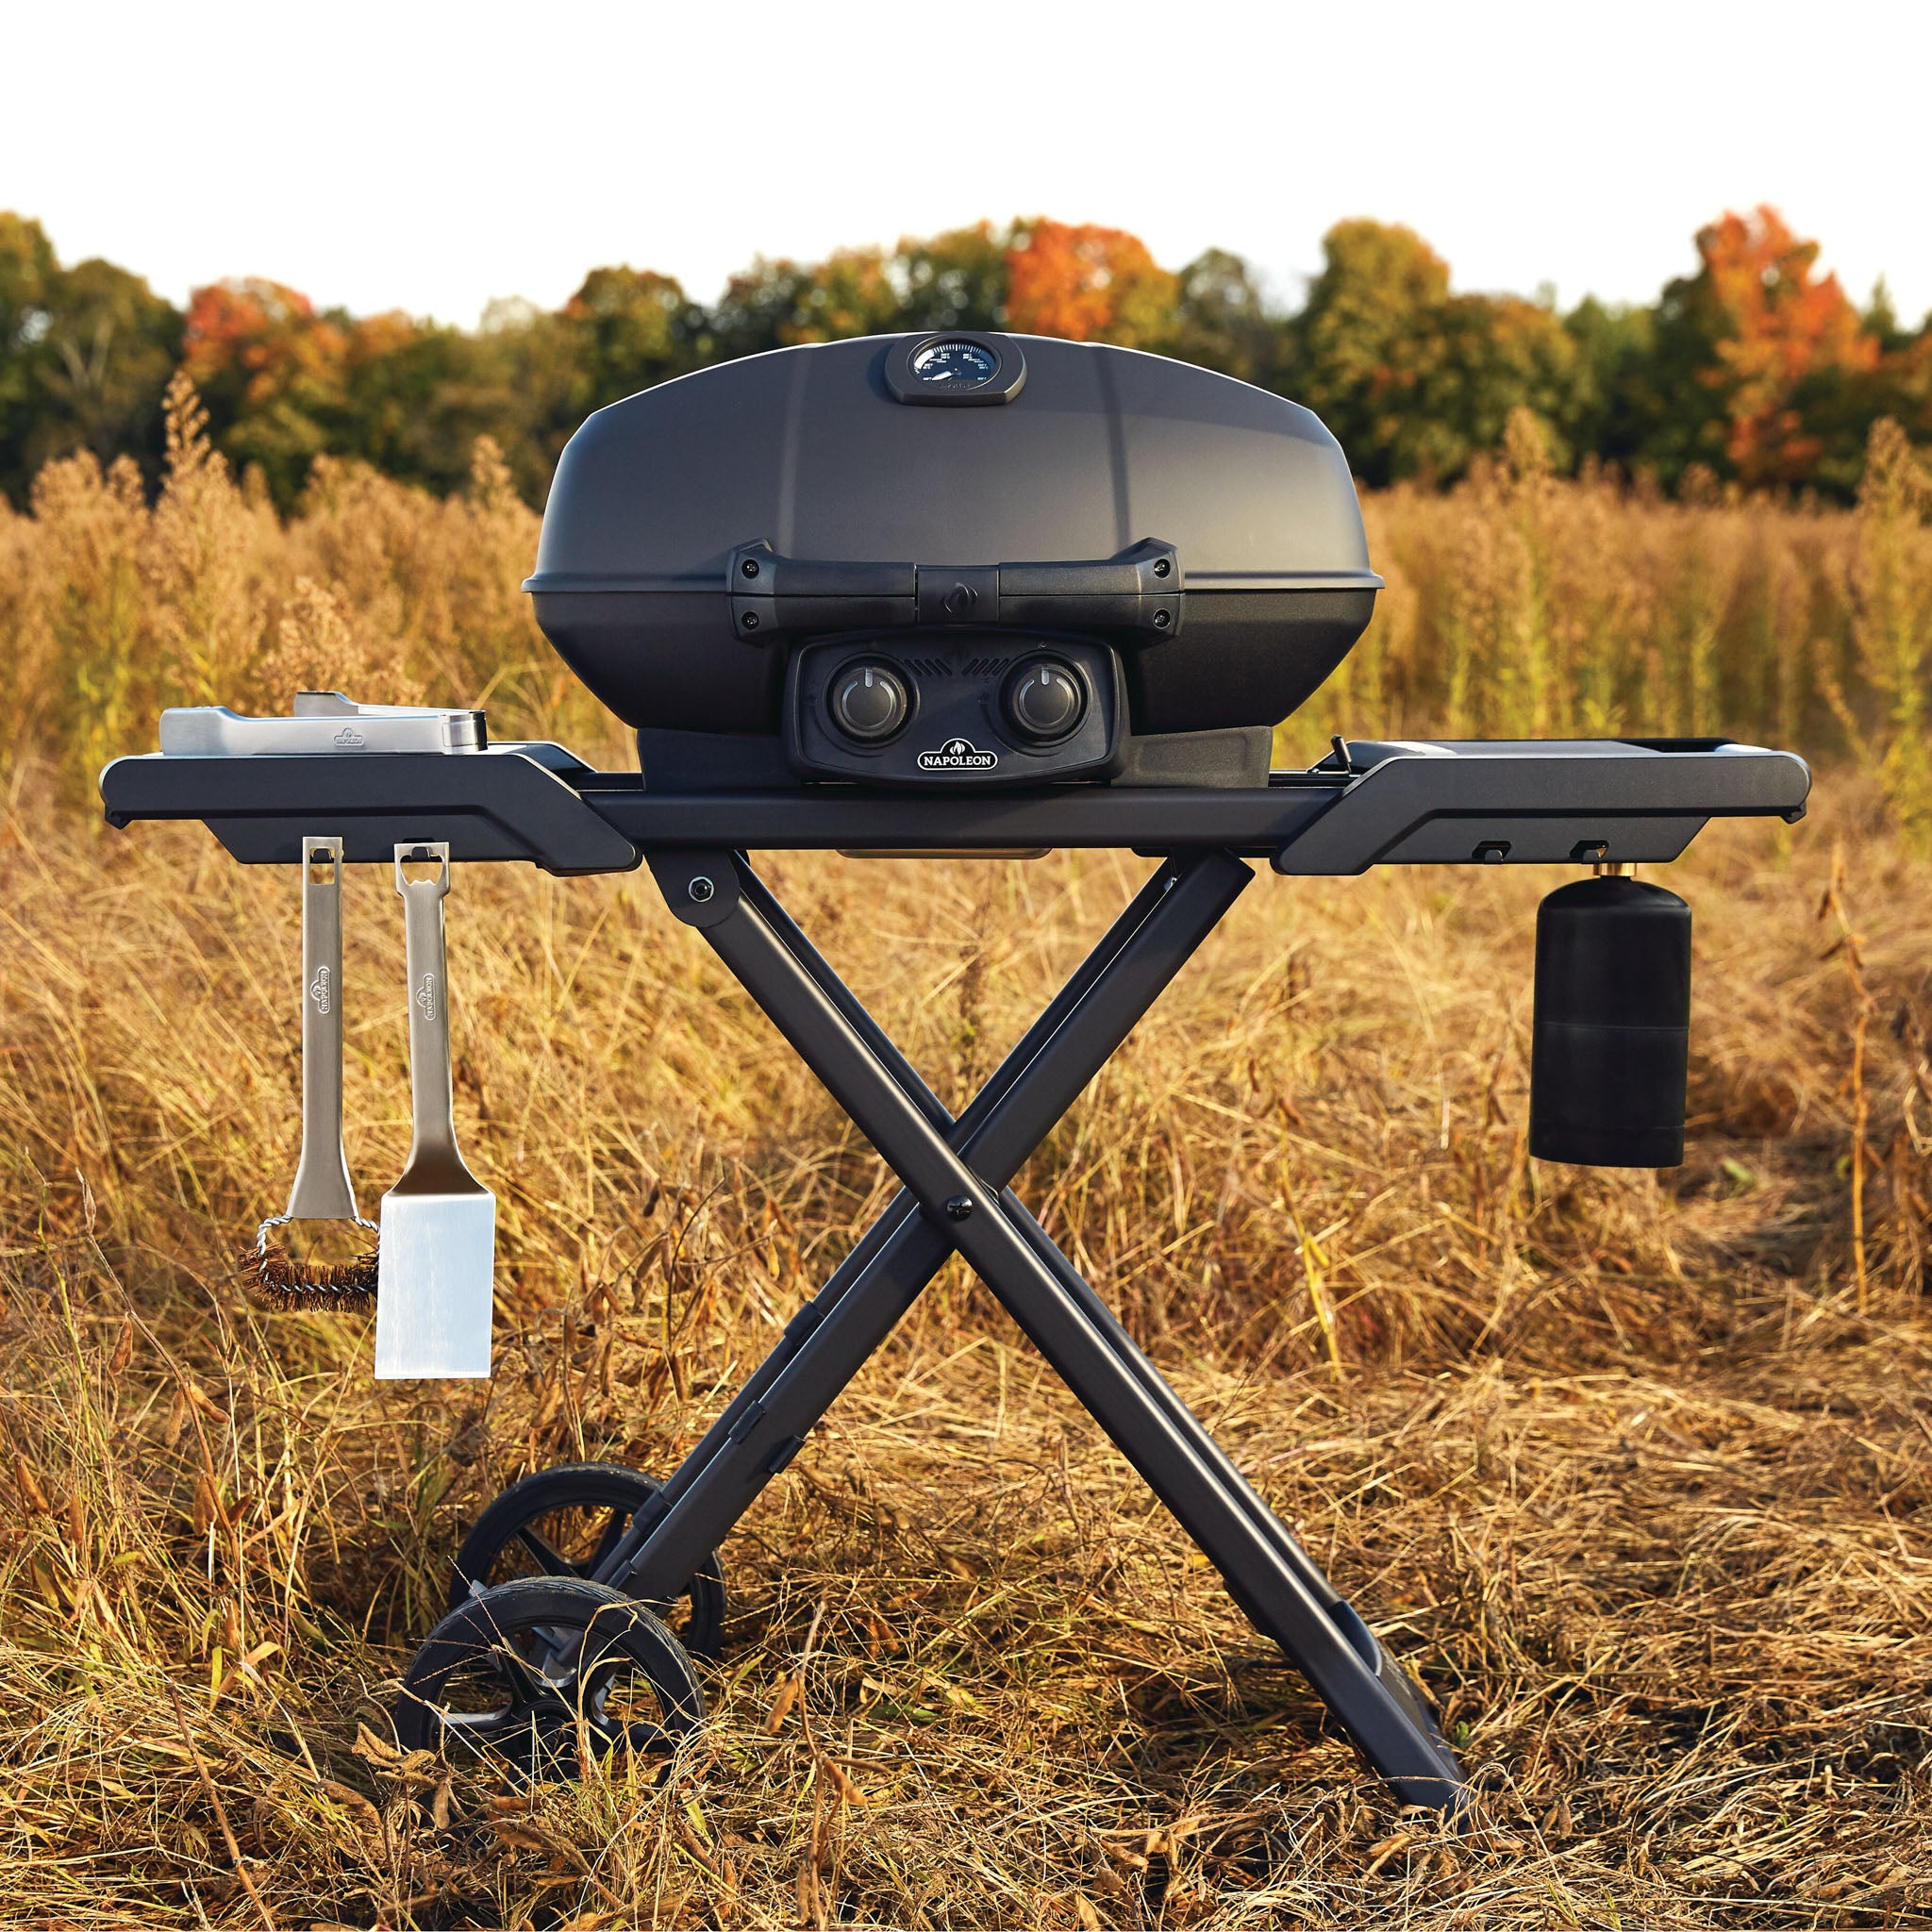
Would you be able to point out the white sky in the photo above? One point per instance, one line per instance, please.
(430, 158)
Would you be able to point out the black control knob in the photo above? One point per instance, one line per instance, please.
(869, 702)
(1043, 700)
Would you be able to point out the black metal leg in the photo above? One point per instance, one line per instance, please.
(757, 895)
(1367, 1647)
(1264, 1570)
(1017, 1064)
(829, 1340)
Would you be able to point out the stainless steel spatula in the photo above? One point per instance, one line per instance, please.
(439, 1222)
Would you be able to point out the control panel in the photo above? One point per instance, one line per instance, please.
(954, 708)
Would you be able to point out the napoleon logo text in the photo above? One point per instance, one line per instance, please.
(958, 755)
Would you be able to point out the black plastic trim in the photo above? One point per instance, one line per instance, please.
(491, 804)
(1455, 801)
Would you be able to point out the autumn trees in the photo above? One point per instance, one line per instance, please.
(1744, 345)
(1754, 368)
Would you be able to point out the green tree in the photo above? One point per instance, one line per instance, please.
(1222, 323)
(27, 271)
(954, 280)
(85, 355)
(113, 344)
(631, 328)
(1414, 381)
(412, 399)
(1615, 348)
(776, 304)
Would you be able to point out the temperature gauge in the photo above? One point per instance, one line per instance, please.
(958, 364)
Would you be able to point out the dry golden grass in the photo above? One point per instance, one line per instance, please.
(1634, 1469)
(1614, 1460)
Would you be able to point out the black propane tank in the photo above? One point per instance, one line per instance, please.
(1610, 1052)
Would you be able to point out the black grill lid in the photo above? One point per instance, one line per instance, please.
(1093, 454)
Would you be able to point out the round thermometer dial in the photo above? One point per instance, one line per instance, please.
(955, 365)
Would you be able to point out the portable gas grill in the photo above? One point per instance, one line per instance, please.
(964, 593)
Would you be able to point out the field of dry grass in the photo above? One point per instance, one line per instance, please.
(1619, 1462)
(1634, 1469)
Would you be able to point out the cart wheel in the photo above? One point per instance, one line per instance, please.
(538, 1669)
(563, 1521)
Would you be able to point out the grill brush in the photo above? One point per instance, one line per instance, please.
(271, 1275)
(283, 1283)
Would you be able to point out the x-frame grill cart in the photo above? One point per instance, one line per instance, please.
(1619, 800)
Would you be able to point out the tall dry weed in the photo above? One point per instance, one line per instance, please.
(1522, 604)
(112, 608)
(81, 667)
(1892, 622)
(206, 546)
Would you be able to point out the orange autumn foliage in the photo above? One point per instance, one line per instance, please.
(261, 327)
(1087, 284)
(1777, 325)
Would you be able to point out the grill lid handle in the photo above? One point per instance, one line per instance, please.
(1136, 595)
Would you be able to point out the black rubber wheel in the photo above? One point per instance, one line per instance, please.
(563, 1521)
(538, 1669)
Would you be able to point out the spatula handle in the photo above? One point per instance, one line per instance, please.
(434, 1163)
(322, 1191)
